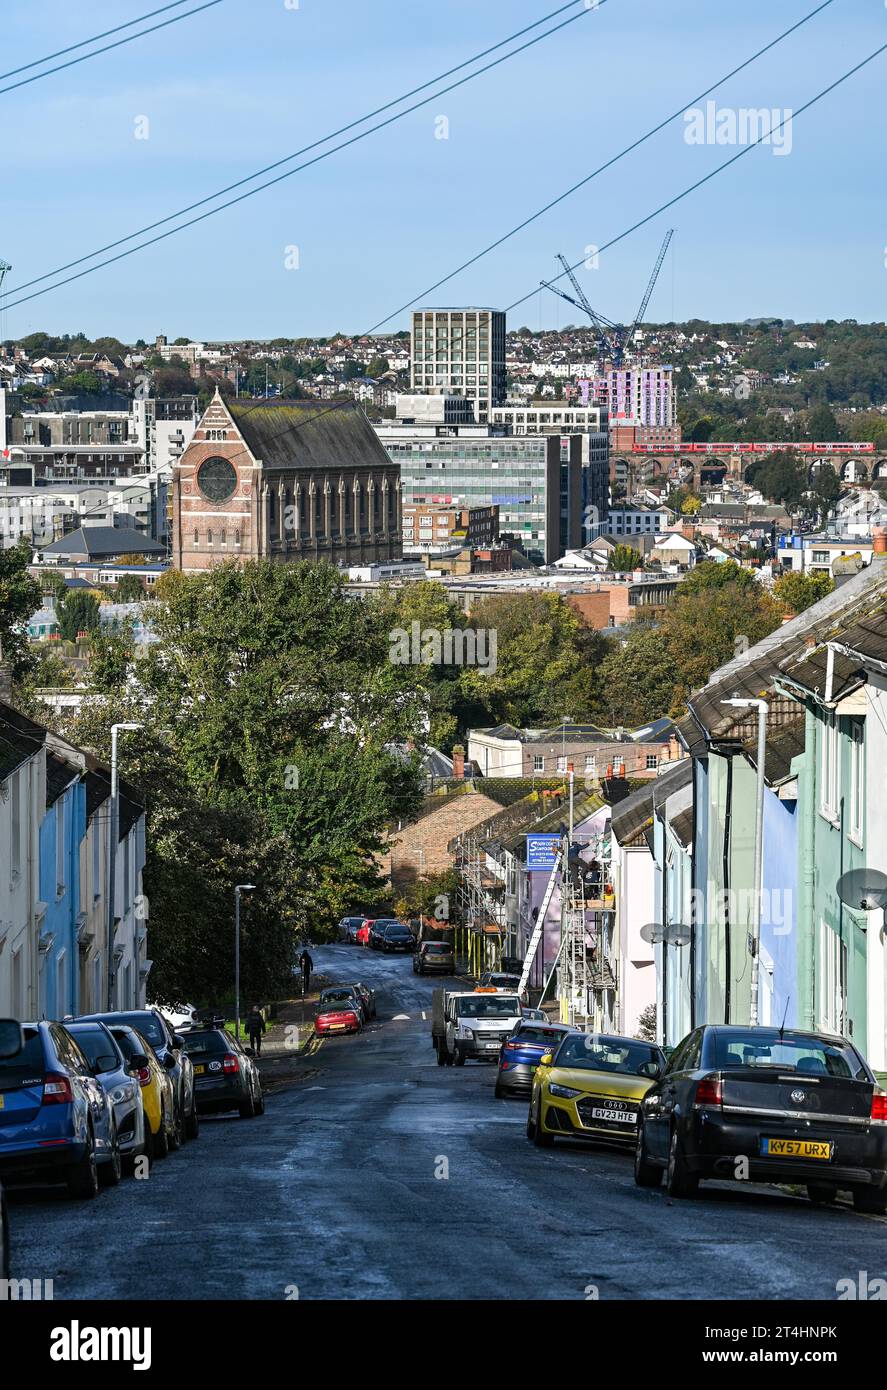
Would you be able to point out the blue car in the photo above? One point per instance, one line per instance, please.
(520, 1054)
(56, 1122)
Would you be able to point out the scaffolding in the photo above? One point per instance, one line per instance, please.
(602, 980)
(480, 940)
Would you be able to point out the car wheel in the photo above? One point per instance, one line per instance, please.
(83, 1177)
(459, 1059)
(531, 1123)
(441, 1056)
(646, 1174)
(176, 1139)
(192, 1124)
(679, 1180)
(160, 1140)
(248, 1108)
(260, 1102)
(5, 1272)
(874, 1202)
(821, 1193)
(540, 1138)
(498, 1092)
(112, 1169)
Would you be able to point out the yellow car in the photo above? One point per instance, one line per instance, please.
(591, 1088)
(158, 1096)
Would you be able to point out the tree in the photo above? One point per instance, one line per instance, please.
(19, 598)
(624, 558)
(377, 366)
(702, 629)
(638, 679)
(822, 425)
(718, 574)
(797, 591)
(77, 612)
(129, 589)
(110, 657)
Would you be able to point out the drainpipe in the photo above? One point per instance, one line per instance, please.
(763, 710)
(805, 958)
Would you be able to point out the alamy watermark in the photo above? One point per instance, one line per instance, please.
(431, 646)
(741, 125)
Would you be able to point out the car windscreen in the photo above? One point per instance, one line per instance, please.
(97, 1047)
(591, 1052)
(437, 948)
(215, 1041)
(26, 1067)
(337, 996)
(396, 929)
(147, 1024)
(535, 1034)
(786, 1052)
(489, 1006)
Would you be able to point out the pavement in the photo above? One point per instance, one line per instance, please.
(376, 1174)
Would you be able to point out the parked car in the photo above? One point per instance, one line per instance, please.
(348, 994)
(155, 1085)
(56, 1122)
(392, 936)
(800, 1107)
(115, 1075)
(369, 998)
(348, 928)
(337, 1012)
(434, 958)
(11, 1043)
(362, 935)
(169, 1047)
(378, 925)
(591, 1088)
(539, 1015)
(520, 1054)
(225, 1074)
(181, 1017)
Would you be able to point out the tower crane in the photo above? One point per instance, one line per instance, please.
(5, 268)
(613, 337)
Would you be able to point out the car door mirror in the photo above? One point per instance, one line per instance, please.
(651, 1069)
(12, 1039)
(137, 1062)
(546, 1059)
(250, 1052)
(170, 1061)
(178, 1040)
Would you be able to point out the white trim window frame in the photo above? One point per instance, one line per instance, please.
(829, 767)
(856, 815)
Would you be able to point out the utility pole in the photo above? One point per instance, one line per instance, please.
(239, 888)
(112, 863)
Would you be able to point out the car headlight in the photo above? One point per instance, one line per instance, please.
(463, 1032)
(565, 1092)
(122, 1093)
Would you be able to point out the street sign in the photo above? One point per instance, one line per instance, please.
(542, 851)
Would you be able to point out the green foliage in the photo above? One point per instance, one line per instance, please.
(130, 589)
(638, 679)
(797, 592)
(19, 598)
(110, 657)
(624, 558)
(77, 612)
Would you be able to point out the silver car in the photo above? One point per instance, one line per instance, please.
(110, 1068)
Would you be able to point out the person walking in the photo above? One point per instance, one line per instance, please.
(307, 965)
(255, 1026)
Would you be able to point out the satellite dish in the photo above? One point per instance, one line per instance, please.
(865, 890)
(653, 933)
(678, 934)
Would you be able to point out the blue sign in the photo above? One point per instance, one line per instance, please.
(542, 851)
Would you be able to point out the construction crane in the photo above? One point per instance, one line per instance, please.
(613, 337)
(5, 268)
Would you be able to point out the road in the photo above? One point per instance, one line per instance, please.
(383, 1176)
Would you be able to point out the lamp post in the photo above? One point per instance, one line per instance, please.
(763, 710)
(240, 888)
(112, 865)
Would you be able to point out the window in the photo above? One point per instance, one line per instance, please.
(96, 858)
(857, 780)
(196, 536)
(15, 808)
(538, 763)
(833, 965)
(209, 537)
(618, 767)
(60, 846)
(652, 760)
(828, 766)
(591, 765)
(562, 763)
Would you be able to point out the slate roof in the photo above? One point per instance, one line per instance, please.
(633, 817)
(868, 636)
(782, 744)
(20, 738)
(309, 434)
(102, 542)
(130, 802)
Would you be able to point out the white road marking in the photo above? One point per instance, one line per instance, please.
(401, 1018)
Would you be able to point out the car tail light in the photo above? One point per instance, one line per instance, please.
(57, 1089)
(231, 1063)
(879, 1105)
(709, 1091)
(144, 1076)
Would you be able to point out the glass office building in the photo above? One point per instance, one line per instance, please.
(461, 352)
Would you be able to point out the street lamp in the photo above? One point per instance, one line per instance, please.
(112, 869)
(240, 888)
(763, 710)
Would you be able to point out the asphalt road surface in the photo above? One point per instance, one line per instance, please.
(383, 1176)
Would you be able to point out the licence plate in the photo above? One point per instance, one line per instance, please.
(199, 1069)
(796, 1148)
(2, 1102)
(623, 1117)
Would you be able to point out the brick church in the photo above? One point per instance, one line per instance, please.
(284, 480)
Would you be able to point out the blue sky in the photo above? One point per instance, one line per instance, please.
(249, 81)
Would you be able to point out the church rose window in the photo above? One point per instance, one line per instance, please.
(217, 479)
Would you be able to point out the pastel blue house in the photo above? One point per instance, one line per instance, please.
(63, 828)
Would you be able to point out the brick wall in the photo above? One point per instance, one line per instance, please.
(404, 864)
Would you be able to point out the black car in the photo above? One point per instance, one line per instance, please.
(392, 936)
(12, 1040)
(766, 1105)
(369, 999)
(225, 1074)
(434, 958)
(170, 1049)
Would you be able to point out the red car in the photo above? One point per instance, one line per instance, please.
(363, 931)
(337, 1012)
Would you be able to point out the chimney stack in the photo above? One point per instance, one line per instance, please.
(459, 762)
(879, 541)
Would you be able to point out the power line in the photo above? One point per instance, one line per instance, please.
(571, 19)
(654, 130)
(851, 72)
(106, 33)
(118, 43)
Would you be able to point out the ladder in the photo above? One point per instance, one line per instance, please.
(539, 927)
